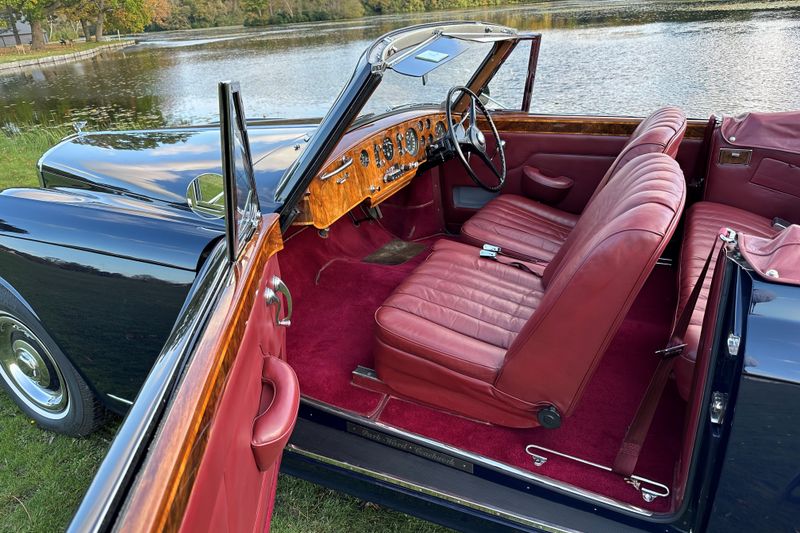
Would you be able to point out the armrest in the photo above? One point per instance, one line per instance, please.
(546, 189)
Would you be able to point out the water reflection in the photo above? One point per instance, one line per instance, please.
(597, 57)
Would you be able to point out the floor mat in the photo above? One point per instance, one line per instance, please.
(395, 252)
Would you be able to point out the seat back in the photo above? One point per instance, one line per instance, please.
(592, 282)
(660, 132)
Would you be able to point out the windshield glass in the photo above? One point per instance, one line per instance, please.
(400, 90)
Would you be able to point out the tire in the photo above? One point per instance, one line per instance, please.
(39, 377)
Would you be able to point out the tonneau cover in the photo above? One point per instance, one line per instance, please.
(772, 131)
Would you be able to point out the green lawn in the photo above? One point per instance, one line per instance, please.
(9, 54)
(43, 476)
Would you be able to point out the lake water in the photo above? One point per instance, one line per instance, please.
(597, 57)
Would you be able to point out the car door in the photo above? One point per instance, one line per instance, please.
(201, 447)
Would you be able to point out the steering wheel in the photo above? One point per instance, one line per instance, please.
(467, 139)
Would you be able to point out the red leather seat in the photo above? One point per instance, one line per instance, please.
(498, 343)
(530, 230)
(703, 223)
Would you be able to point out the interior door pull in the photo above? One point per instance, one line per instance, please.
(273, 426)
(272, 297)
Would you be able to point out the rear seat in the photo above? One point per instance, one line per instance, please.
(703, 223)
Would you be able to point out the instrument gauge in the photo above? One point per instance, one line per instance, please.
(419, 125)
(427, 123)
(364, 157)
(377, 150)
(439, 131)
(412, 141)
(388, 149)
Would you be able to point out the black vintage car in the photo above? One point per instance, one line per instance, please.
(479, 315)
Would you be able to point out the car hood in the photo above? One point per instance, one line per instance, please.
(158, 165)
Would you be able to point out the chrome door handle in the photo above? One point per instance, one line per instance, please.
(272, 297)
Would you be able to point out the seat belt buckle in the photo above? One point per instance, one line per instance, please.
(491, 254)
(727, 235)
(780, 224)
(492, 248)
(670, 351)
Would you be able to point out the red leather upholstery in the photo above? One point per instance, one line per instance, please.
(521, 227)
(703, 223)
(528, 229)
(497, 343)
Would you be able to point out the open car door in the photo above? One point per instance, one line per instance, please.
(201, 447)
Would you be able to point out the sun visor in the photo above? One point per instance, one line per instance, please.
(418, 61)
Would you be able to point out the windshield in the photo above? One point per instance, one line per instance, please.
(417, 89)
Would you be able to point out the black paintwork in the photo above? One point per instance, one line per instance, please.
(759, 479)
(157, 166)
(105, 254)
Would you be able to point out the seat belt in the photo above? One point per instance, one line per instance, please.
(489, 251)
(631, 447)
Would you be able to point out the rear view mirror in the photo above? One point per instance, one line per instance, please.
(206, 196)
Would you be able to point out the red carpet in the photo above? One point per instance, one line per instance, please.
(336, 297)
(597, 427)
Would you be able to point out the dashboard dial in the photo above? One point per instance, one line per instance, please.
(364, 157)
(388, 149)
(439, 131)
(427, 123)
(412, 141)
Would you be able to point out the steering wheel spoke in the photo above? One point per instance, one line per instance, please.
(469, 139)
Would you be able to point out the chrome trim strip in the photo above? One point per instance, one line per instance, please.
(560, 486)
(123, 400)
(409, 485)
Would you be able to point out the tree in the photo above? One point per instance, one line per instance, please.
(34, 11)
(11, 18)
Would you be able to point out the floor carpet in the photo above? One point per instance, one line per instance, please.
(336, 296)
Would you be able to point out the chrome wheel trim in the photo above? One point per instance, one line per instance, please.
(30, 370)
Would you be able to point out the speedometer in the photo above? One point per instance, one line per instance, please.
(388, 149)
(412, 141)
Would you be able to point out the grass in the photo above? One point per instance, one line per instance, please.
(9, 55)
(43, 476)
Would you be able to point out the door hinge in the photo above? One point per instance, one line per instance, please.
(719, 404)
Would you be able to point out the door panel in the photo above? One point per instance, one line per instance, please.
(766, 182)
(250, 428)
(580, 148)
(201, 471)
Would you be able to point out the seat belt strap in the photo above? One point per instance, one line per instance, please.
(631, 447)
(492, 252)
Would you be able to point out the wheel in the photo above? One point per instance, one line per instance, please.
(39, 377)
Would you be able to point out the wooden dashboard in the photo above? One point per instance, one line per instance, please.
(370, 164)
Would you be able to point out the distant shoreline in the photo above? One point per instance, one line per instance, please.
(22, 64)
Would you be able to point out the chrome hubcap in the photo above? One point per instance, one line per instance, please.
(29, 369)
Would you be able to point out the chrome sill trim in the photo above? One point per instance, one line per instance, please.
(559, 486)
(409, 485)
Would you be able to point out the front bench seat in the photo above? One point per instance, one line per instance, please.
(497, 343)
(531, 230)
